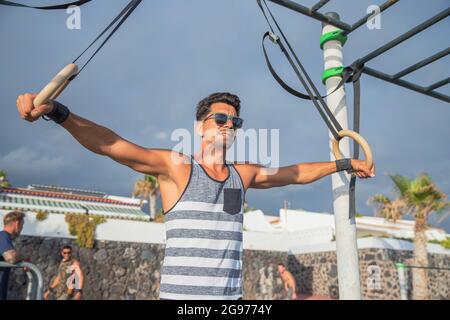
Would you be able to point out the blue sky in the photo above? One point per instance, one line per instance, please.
(168, 55)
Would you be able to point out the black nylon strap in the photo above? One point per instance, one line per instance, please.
(356, 126)
(298, 94)
(278, 78)
(316, 95)
(123, 15)
(54, 7)
(350, 74)
(308, 84)
(345, 77)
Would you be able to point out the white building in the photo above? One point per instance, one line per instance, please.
(60, 200)
(313, 227)
(295, 231)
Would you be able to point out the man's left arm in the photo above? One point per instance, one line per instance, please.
(80, 275)
(293, 286)
(303, 173)
(7, 249)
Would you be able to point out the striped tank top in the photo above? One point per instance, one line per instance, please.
(203, 254)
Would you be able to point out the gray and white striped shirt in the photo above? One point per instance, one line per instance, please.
(203, 255)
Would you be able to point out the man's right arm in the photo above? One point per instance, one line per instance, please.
(52, 286)
(104, 141)
(55, 282)
(285, 285)
(11, 256)
(101, 140)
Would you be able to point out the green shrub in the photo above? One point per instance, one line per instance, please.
(41, 215)
(83, 227)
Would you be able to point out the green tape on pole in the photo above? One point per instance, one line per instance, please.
(333, 35)
(400, 265)
(332, 72)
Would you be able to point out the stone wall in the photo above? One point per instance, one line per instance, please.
(123, 270)
(112, 270)
(316, 274)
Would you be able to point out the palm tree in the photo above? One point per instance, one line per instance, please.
(419, 198)
(4, 183)
(148, 187)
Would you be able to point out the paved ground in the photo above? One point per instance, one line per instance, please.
(310, 297)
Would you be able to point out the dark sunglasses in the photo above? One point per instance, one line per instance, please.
(222, 118)
(67, 252)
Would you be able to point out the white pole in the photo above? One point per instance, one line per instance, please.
(402, 281)
(345, 228)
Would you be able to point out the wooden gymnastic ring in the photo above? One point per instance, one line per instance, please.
(52, 90)
(359, 139)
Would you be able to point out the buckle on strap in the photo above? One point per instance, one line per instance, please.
(274, 38)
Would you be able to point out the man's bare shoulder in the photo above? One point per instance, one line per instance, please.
(173, 160)
(246, 164)
(76, 263)
(173, 157)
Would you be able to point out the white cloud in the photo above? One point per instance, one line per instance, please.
(151, 131)
(24, 161)
(161, 135)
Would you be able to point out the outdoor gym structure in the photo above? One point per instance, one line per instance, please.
(334, 111)
(334, 35)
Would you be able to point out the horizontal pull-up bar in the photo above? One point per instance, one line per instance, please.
(396, 78)
(405, 36)
(319, 5)
(409, 85)
(422, 63)
(314, 14)
(438, 84)
(363, 20)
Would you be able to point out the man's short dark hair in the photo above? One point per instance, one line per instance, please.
(66, 247)
(204, 106)
(282, 264)
(13, 216)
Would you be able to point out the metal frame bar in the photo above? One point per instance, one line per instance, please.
(319, 5)
(409, 85)
(438, 84)
(417, 29)
(364, 19)
(313, 13)
(395, 79)
(422, 63)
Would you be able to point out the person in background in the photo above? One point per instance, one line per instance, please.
(69, 280)
(289, 281)
(12, 227)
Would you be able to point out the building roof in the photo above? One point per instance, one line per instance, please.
(59, 189)
(59, 195)
(24, 199)
(319, 224)
(255, 221)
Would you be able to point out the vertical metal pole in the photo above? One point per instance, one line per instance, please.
(345, 228)
(402, 281)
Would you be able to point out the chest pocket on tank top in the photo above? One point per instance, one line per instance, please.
(232, 199)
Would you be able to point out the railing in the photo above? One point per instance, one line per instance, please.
(403, 278)
(34, 275)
